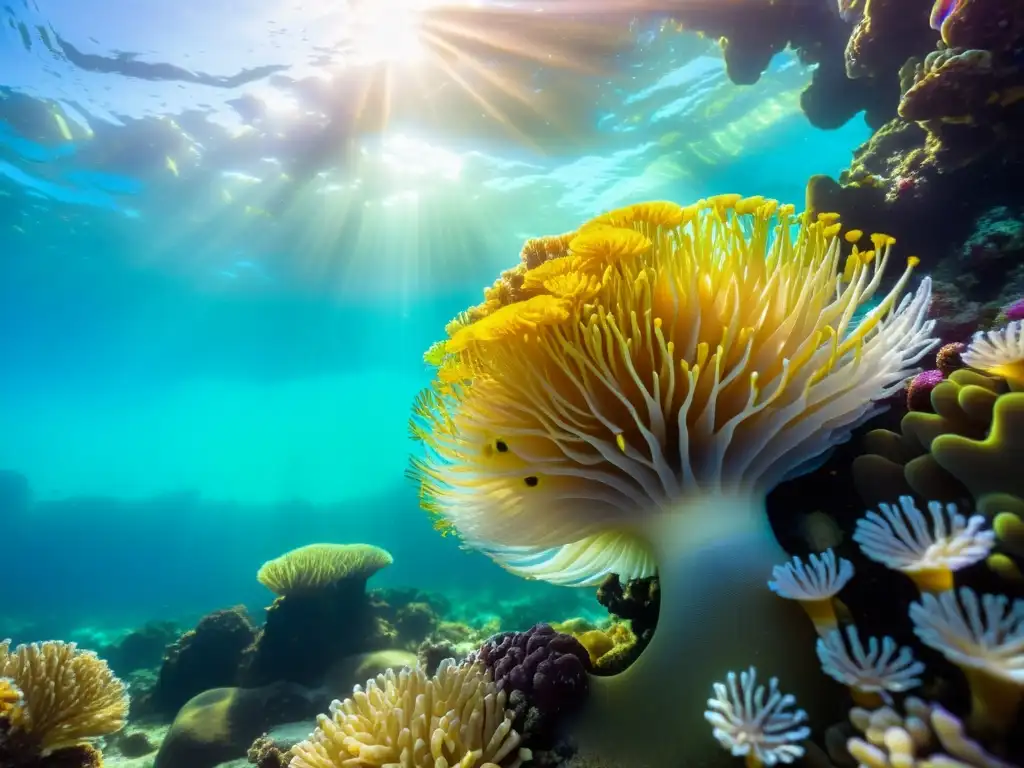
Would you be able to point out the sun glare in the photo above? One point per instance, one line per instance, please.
(388, 30)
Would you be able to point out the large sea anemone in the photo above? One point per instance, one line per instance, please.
(625, 404)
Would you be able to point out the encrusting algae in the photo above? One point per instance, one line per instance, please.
(626, 405)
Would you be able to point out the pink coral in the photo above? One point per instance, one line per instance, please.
(1015, 311)
(919, 391)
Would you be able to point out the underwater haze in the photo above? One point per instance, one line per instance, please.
(224, 247)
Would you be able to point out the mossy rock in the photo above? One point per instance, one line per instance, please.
(220, 724)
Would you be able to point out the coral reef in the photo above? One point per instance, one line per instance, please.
(54, 698)
(637, 601)
(456, 717)
(751, 33)
(960, 113)
(544, 674)
(203, 658)
(648, 369)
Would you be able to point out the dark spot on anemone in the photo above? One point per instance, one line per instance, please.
(532, 481)
(502, 446)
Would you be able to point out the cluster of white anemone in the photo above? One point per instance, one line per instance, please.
(983, 635)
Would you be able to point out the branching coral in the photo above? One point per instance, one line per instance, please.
(634, 404)
(985, 638)
(315, 566)
(892, 740)
(65, 696)
(902, 539)
(455, 718)
(869, 673)
(756, 723)
(813, 586)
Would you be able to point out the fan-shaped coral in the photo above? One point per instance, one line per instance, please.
(985, 638)
(872, 673)
(636, 415)
(315, 566)
(456, 718)
(900, 538)
(813, 586)
(67, 696)
(757, 723)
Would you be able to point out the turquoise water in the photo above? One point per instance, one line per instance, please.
(217, 279)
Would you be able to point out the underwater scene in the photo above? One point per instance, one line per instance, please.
(512, 383)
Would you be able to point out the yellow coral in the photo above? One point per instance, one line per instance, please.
(315, 566)
(70, 695)
(456, 718)
(891, 739)
(10, 698)
(716, 350)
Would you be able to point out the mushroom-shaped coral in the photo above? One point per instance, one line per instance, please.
(985, 638)
(67, 695)
(999, 353)
(814, 586)
(315, 566)
(455, 718)
(891, 739)
(872, 673)
(902, 539)
(756, 723)
(632, 406)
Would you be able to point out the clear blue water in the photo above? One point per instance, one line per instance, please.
(217, 276)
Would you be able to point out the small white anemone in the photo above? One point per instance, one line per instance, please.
(901, 538)
(985, 638)
(757, 723)
(870, 674)
(999, 352)
(813, 585)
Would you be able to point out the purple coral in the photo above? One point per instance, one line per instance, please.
(548, 668)
(919, 391)
(1015, 311)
